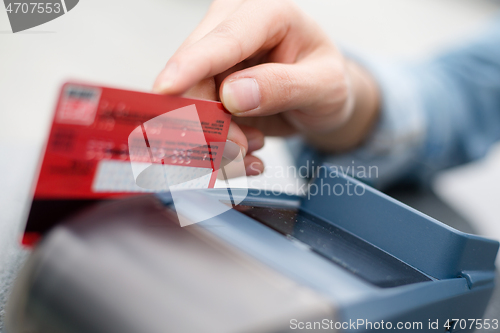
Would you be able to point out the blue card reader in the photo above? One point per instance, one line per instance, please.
(358, 261)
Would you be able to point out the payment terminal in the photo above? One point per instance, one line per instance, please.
(345, 261)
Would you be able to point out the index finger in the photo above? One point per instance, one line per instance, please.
(219, 10)
(247, 30)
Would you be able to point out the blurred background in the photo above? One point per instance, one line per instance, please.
(126, 43)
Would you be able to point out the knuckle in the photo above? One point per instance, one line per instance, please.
(282, 84)
(338, 90)
(228, 32)
(226, 29)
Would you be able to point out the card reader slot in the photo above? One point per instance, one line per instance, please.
(337, 245)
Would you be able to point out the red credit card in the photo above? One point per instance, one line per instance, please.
(107, 143)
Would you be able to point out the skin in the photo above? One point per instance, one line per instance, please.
(278, 73)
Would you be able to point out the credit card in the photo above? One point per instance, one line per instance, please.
(108, 143)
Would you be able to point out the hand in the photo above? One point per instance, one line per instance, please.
(277, 72)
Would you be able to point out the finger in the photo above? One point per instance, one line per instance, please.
(255, 138)
(235, 136)
(246, 31)
(205, 89)
(253, 165)
(254, 60)
(217, 12)
(317, 87)
(274, 125)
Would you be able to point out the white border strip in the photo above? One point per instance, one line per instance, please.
(64, 6)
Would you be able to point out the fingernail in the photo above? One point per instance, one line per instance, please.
(241, 95)
(232, 150)
(167, 78)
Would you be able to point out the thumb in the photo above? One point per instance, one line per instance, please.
(316, 88)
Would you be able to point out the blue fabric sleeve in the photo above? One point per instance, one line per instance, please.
(435, 114)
